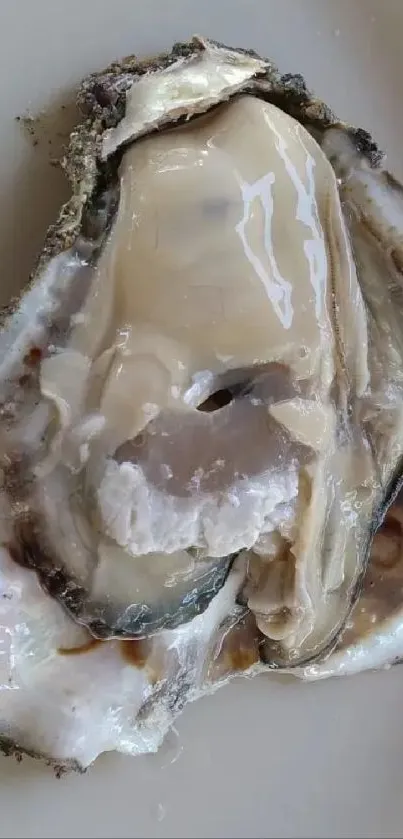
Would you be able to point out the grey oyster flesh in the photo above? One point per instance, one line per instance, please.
(219, 361)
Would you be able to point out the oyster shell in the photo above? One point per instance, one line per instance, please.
(67, 698)
(245, 257)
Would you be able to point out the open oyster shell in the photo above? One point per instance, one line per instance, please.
(208, 360)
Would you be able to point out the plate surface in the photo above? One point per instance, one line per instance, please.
(269, 757)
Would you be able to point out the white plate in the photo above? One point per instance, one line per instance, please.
(262, 758)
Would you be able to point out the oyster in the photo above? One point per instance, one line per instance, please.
(208, 360)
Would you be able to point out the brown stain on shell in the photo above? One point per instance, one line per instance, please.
(33, 357)
(387, 547)
(88, 647)
(237, 650)
(134, 652)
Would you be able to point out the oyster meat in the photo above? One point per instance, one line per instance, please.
(201, 403)
(373, 636)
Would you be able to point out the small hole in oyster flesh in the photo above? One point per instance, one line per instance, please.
(217, 400)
